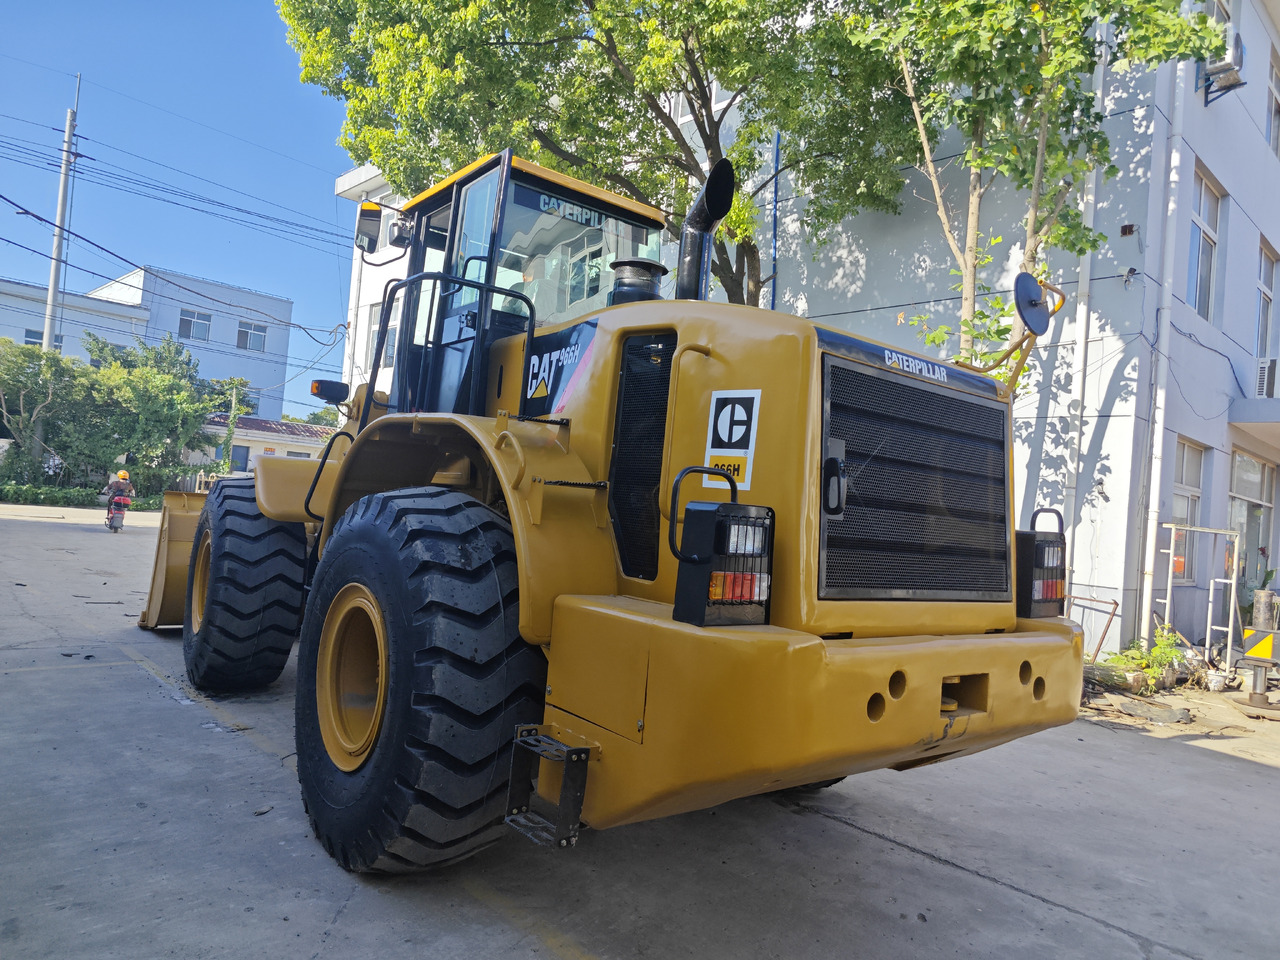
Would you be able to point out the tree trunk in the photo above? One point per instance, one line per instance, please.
(737, 270)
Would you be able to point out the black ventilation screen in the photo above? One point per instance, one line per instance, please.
(637, 450)
(927, 510)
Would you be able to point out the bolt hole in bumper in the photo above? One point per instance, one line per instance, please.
(689, 717)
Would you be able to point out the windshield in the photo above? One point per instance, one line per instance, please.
(558, 251)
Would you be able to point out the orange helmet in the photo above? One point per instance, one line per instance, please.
(123, 475)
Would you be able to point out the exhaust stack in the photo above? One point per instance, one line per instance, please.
(707, 211)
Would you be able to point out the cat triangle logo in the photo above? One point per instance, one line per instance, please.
(540, 390)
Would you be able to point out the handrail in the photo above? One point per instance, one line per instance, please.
(384, 322)
(702, 350)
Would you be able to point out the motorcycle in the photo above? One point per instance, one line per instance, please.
(115, 513)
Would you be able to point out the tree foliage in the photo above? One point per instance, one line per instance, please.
(146, 404)
(324, 417)
(639, 96)
(1015, 80)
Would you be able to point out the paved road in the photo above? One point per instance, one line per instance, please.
(139, 819)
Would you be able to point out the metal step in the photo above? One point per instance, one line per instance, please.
(556, 825)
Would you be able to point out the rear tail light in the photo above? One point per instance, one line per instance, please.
(1042, 569)
(726, 559)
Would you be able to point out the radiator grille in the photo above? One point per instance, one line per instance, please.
(637, 450)
(927, 513)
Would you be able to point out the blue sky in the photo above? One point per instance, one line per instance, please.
(170, 92)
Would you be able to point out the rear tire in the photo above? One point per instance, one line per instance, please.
(412, 677)
(244, 591)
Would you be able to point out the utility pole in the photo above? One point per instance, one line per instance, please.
(64, 189)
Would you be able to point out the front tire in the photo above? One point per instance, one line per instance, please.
(412, 677)
(244, 591)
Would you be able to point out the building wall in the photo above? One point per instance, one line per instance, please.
(164, 294)
(167, 294)
(22, 308)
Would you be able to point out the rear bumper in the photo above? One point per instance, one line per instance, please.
(688, 717)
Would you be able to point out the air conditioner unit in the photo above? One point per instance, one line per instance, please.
(1224, 74)
(1266, 378)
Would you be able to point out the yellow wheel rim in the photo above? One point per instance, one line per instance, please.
(351, 676)
(200, 581)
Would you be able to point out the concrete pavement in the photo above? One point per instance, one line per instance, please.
(140, 819)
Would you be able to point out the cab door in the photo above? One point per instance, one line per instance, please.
(462, 312)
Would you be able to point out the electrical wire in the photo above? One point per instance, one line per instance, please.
(274, 226)
(153, 106)
(202, 345)
(126, 260)
(337, 329)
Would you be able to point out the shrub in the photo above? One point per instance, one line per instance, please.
(53, 496)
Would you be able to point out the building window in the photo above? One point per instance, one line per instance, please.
(297, 453)
(1188, 468)
(1266, 283)
(1252, 490)
(239, 457)
(1206, 203)
(193, 325)
(1273, 105)
(393, 327)
(1219, 11)
(35, 338)
(252, 336)
(253, 400)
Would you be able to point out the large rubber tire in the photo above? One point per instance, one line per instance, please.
(414, 609)
(244, 592)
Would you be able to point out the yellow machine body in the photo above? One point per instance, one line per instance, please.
(687, 716)
(678, 717)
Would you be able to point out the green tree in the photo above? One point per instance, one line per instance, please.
(150, 405)
(38, 391)
(631, 94)
(1014, 79)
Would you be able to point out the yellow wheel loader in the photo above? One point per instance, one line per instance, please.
(599, 556)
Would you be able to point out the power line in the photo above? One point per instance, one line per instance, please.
(215, 183)
(147, 336)
(278, 227)
(126, 260)
(172, 113)
(334, 330)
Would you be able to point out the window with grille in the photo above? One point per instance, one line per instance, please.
(193, 325)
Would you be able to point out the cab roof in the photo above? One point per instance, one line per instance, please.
(634, 207)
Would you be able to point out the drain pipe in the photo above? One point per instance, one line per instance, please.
(1079, 361)
(1155, 440)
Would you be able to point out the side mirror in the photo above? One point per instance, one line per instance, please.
(330, 391)
(368, 226)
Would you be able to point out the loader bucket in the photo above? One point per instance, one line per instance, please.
(166, 603)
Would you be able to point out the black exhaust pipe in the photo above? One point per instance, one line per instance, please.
(707, 211)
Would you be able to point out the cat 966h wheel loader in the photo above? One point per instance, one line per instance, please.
(599, 557)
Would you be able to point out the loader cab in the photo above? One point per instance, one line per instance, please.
(533, 248)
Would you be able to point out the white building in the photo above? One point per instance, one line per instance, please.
(231, 331)
(368, 280)
(22, 309)
(1166, 349)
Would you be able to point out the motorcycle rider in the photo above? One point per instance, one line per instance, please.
(119, 487)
